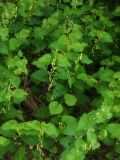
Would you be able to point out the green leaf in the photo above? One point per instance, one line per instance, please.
(23, 34)
(71, 125)
(4, 142)
(43, 61)
(4, 33)
(85, 59)
(43, 112)
(24, 6)
(83, 99)
(19, 96)
(116, 110)
(66, 141)
(61, 73)
(4, 146)
(70, 99)
(20, 154)
(10, 9)
(55, 108)
(18, 64)
(50, 129)
(92, 139)
(13, 113)
(22, 66)
(32, 138)
(78, 47)
(105, 37)
(116, 12)
(37, 155)
(110, 61)
(62, 61)
(114, 129)
(105, 74)
(101, 115)
(15, 80)
(14, 43)
(59, 90)
(30, 131)
(93, 33)
(117, 75)
(61, 44)
(10, 125)
(39, 32)
(85, 122)
(87, 78)
(9, 128)
(40, 76)
(5, 96)
(81, 145)
(75, 154)
(107, 62)
(117, 148)
(3, 48)
(71, 80)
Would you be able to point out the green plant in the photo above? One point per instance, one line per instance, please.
(59, 79)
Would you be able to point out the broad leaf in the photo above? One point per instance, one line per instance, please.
(19, 96)
(50, 129)
(55, 108)
(43, 61)
(70, 99)
(114, 129)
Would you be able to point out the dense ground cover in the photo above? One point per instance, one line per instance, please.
(59, 80)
